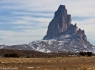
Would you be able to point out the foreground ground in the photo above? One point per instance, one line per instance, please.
(59, 63)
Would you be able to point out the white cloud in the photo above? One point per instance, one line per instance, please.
(22, 37)
(36, 15)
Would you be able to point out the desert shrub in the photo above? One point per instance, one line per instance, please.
(7, 55)
(11, 55)
(89, 53)
(82, 53)
(85, 53)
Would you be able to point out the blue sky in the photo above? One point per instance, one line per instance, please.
(23, 21)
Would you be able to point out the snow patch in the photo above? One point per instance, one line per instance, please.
(25, 46)
(85, 46)
(1, 47)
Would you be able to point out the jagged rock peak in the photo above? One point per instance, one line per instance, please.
(61, 11)
(61, 8)
(61, 25)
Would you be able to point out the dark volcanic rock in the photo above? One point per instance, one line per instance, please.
(67, 36)
(61, 25)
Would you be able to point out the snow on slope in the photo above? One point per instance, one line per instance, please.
(65, 45)
(54, 45)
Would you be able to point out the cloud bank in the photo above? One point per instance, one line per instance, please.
(23, 21)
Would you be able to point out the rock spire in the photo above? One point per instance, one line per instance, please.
(61, 25)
